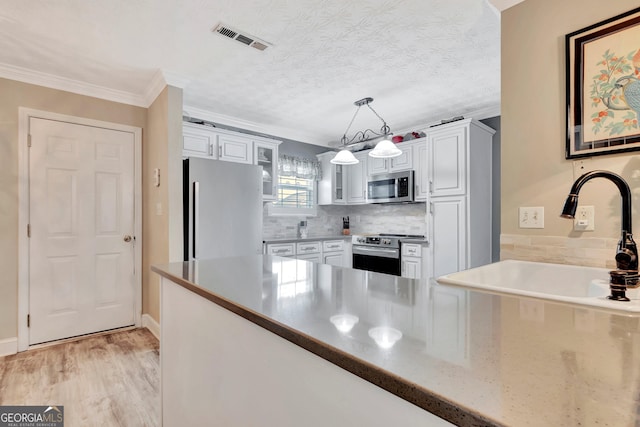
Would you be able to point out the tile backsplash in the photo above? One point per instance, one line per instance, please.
(590, 252)
(364, 219)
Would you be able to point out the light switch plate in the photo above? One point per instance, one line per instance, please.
(531, 217)
(580, 167)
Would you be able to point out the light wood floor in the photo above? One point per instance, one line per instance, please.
(106, 380)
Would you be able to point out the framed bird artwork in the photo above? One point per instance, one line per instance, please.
(603, 87)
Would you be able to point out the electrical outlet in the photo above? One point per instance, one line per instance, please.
(584, 219)
(531, 217)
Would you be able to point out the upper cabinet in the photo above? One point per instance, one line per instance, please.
(421, 167)
(221, 144)
(235, 148)
(401, 163)
(357, 179)
(332, 187)
(265, 154)
(198, 141)
(347, 184)
(447, 166)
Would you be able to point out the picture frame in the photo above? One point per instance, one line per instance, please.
(603, 87)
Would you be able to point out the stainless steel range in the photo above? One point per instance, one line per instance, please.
(379, 253)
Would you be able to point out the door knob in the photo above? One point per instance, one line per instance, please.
(127, 238)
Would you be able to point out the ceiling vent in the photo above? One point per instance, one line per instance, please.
(242, 37)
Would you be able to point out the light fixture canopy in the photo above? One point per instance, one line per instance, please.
(384, 149)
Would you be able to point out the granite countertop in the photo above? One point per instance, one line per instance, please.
(470, 357)
(306, 239)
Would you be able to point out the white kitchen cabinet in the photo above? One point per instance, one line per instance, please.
(448, 234)
(198, 141)
(230, 146)
(336, 258)
(448, 161)
(459, 201)
(421, 167)
(304, 248)
(311, 257)
(357, 179)
(281, 249)
(265, 154)
(333, 253)
(396, 164)
(332, 186)
(235, 148)
(376, 166)
(411, 260)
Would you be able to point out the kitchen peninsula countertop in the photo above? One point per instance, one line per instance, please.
(469, 357)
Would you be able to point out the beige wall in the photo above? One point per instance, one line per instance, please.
(534, 170)
(162, 206)
(13, 95)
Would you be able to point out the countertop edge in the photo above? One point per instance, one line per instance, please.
(306, 239)
(411, 392)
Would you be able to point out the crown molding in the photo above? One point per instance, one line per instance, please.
(157, 84)
(502, 5)
(39, 78)
(481, 114)
(276, 131)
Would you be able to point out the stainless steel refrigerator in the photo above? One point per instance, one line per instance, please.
(222, 209)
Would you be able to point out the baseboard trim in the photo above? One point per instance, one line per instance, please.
(8, 346)
(152, 325)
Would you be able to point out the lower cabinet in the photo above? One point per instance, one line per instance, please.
(310, 257)
(334, 258)
(332, 252)
(411, 261)
(281, 249)
(448, 235)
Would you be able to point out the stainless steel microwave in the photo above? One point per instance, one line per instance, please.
(390, 187)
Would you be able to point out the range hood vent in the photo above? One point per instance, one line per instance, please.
(242, 37)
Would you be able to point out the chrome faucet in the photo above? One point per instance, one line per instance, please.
(626, 274)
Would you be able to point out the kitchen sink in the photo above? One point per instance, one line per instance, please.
(557, 282)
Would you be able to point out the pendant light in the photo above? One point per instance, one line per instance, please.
(384, 149)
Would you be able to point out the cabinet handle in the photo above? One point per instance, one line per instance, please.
(431, 186)
(210, 149)
(220, 151)
(431, 207)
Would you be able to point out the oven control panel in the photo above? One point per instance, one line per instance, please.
(375, 241)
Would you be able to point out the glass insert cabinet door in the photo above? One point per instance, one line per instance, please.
(338, 189)
(266, 155)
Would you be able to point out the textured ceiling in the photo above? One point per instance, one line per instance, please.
(421, 60)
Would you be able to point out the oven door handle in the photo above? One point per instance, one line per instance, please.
(382, 252)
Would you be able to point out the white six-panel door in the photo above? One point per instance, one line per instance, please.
(81, 215)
